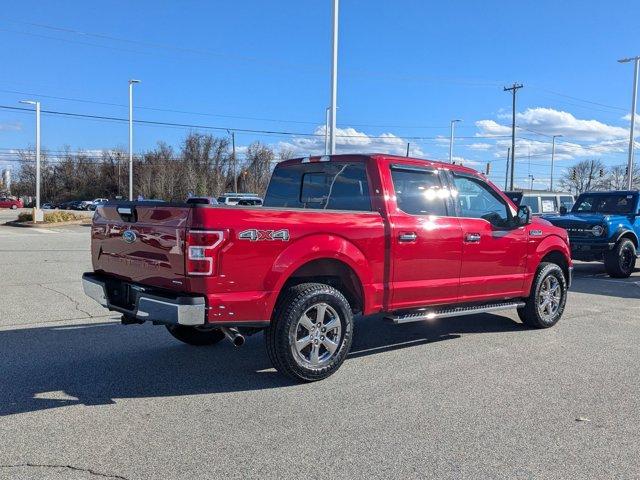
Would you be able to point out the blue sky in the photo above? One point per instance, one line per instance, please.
(406, 68)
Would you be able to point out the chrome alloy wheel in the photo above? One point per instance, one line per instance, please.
(549, 298)
(315, 337)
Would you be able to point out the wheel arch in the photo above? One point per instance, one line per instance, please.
(328, 259)
(630, 234)
(552, 249)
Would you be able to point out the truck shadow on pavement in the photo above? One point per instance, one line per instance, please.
(95, 364)
(591, 278)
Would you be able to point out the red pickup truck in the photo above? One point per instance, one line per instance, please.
(412, 239)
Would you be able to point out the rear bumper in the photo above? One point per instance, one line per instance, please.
(145, 305)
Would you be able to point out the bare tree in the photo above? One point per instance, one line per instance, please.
(584, 176)
(257, 168)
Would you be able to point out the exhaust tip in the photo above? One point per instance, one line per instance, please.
(234, 336)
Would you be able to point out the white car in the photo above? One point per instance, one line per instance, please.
(239, 199)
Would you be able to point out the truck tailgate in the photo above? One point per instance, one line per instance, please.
(141, 243)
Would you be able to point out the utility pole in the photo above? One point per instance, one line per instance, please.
(553, 155)
(408, 145)
(634, 95)
(506, 171)
(334, 79)
(513, 89)
(453, 122)
(37, 213)
(131, 82)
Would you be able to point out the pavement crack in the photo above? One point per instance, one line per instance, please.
(68, 467)
(68, 297)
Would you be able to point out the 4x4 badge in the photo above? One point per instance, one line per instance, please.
(255, 235)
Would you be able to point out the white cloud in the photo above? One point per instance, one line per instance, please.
(11, 127)
(480, 146)
(491, 128)
(549, 121)
(349, 140)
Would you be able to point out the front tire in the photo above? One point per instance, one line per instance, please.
(545, 305)
(311, 332)
(196, 336)
(620, 262)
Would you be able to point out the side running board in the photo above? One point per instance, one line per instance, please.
(427, 314)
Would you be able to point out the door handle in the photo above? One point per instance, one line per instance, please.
(408, 237)
(472, 238)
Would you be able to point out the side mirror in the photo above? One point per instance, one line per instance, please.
(563, 210)
(524, 215)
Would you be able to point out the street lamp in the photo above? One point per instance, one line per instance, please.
(326, 131)
(634, 95)
(37, 214)
(453, 122)
(553, 154)
(334, 79)
(131, 82)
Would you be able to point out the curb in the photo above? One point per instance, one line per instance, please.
(47, 225)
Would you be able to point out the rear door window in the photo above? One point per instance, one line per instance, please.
(419, 191)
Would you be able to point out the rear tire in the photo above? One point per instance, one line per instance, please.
(545, 305)
(620, 262)
(196, 336)
(311, 332)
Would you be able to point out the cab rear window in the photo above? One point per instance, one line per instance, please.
(320, 185)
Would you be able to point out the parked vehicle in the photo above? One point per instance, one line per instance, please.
(202, 200)
(604, 227)
(542, 202)
(48, 206)
(236, 198)
(337, 236)
(96, 203)
(256, 202)
(72, 205)
(11, 202)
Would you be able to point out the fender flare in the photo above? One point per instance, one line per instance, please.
(316, 247)
(552, 243)
(625, 231)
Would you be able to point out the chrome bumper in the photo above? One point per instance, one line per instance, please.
(147, 306)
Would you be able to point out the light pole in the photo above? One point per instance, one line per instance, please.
(531, 180)
(334, 79)
(326, 131)
(553, 155)
(453, 122)
(634, 95)
(37, 214)
(131, 82)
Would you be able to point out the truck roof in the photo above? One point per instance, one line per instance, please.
(611, 192)
(381, 156)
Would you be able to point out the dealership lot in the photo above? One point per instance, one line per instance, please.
(470, 397)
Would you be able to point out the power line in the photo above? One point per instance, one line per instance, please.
(240, 130)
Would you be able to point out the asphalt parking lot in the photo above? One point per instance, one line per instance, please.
(82, 397)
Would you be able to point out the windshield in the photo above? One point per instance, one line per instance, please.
(618, 203)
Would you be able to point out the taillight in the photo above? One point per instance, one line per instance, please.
(202, 247)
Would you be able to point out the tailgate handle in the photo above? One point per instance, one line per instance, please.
(125, 210)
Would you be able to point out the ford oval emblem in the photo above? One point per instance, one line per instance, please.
(129, 236)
